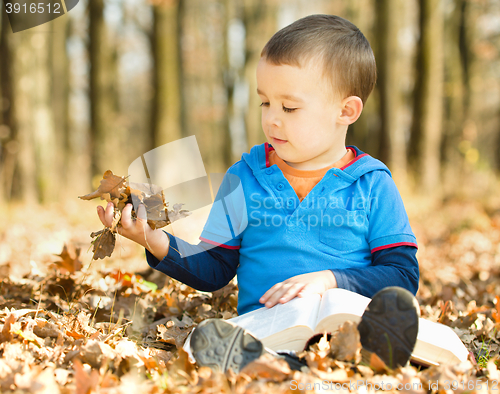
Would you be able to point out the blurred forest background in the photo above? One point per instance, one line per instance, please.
(97, 88)
(113, 79)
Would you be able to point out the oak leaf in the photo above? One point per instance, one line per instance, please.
(111, 187)
(267, 367)
(6, 335)
(345, 343)
(84, 382)
(156, 211)
(103, 244)
(70, 261)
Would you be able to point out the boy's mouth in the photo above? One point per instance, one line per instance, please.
(278, 141)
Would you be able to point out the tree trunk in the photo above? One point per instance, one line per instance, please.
(365, 132)
(260, 25)
(392, 147)
(222, 157)
(100, 100)
(8, 137)
(457, 93)
(24, 88)
(60, 103)
(46, 146)
(425, 142)
(167, 101)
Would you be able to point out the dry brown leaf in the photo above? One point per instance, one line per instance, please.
(109, 380)
(411, 382)
(84, 382)
(74, 334)
(495, 313)
(27, 336)
(70, 261)
(182, 362)
(103, 244)
(6, 335)
(345, 344)
(37, 380)
(364, 370)
(338, 375)
(377, 364)
(111, 187)
(157, 357)
(95, 352)
(267, 367)
(156, 211)
(173, 334)
(45, 329)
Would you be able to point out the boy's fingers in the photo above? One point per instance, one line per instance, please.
(100, 213)
(284, 294)
(270, 292)
(126, 218)
(309, 289)
(291, 292)
(108, 214)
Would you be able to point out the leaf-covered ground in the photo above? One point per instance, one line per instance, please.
(71, 325)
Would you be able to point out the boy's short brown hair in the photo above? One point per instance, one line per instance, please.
(347, 57)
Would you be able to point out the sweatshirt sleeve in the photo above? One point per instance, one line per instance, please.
(388, 222)
(203, 266)
(396, 266)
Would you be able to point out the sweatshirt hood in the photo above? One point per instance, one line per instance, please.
(362, 164)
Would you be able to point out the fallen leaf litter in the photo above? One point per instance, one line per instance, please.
(114, 331)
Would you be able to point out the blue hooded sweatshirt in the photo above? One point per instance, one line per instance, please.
(353, 222)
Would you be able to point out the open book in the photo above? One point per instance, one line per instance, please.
(288, 326)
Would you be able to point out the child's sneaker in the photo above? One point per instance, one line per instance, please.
(389, 325)
(222, 345)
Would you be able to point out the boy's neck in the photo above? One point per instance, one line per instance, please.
(328, 162)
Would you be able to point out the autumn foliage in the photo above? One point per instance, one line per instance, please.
(109, 329)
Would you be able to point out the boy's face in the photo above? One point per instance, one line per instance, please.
(300, 115)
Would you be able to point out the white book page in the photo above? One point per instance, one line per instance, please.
(439, 343)
(341, 302)
(265, 322)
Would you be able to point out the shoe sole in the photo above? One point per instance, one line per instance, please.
(221, 346)
(389, 326)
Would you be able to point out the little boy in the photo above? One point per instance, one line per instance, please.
(313, 214)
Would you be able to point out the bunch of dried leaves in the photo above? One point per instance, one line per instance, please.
(113, 189)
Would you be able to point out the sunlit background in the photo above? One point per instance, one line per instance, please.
(112, 79)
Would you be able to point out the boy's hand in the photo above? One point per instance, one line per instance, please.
(299, 286)
(137, 230)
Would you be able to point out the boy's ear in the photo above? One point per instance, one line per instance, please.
(350, 110)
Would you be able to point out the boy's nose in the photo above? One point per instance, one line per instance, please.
(271, 118)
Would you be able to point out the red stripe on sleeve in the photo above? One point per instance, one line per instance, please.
(394, 245)
(216, 244)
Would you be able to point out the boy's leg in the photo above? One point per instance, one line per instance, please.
(389, 325)
(222, 345)
(388, 328)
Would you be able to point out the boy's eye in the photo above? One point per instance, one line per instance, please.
(285, 109)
